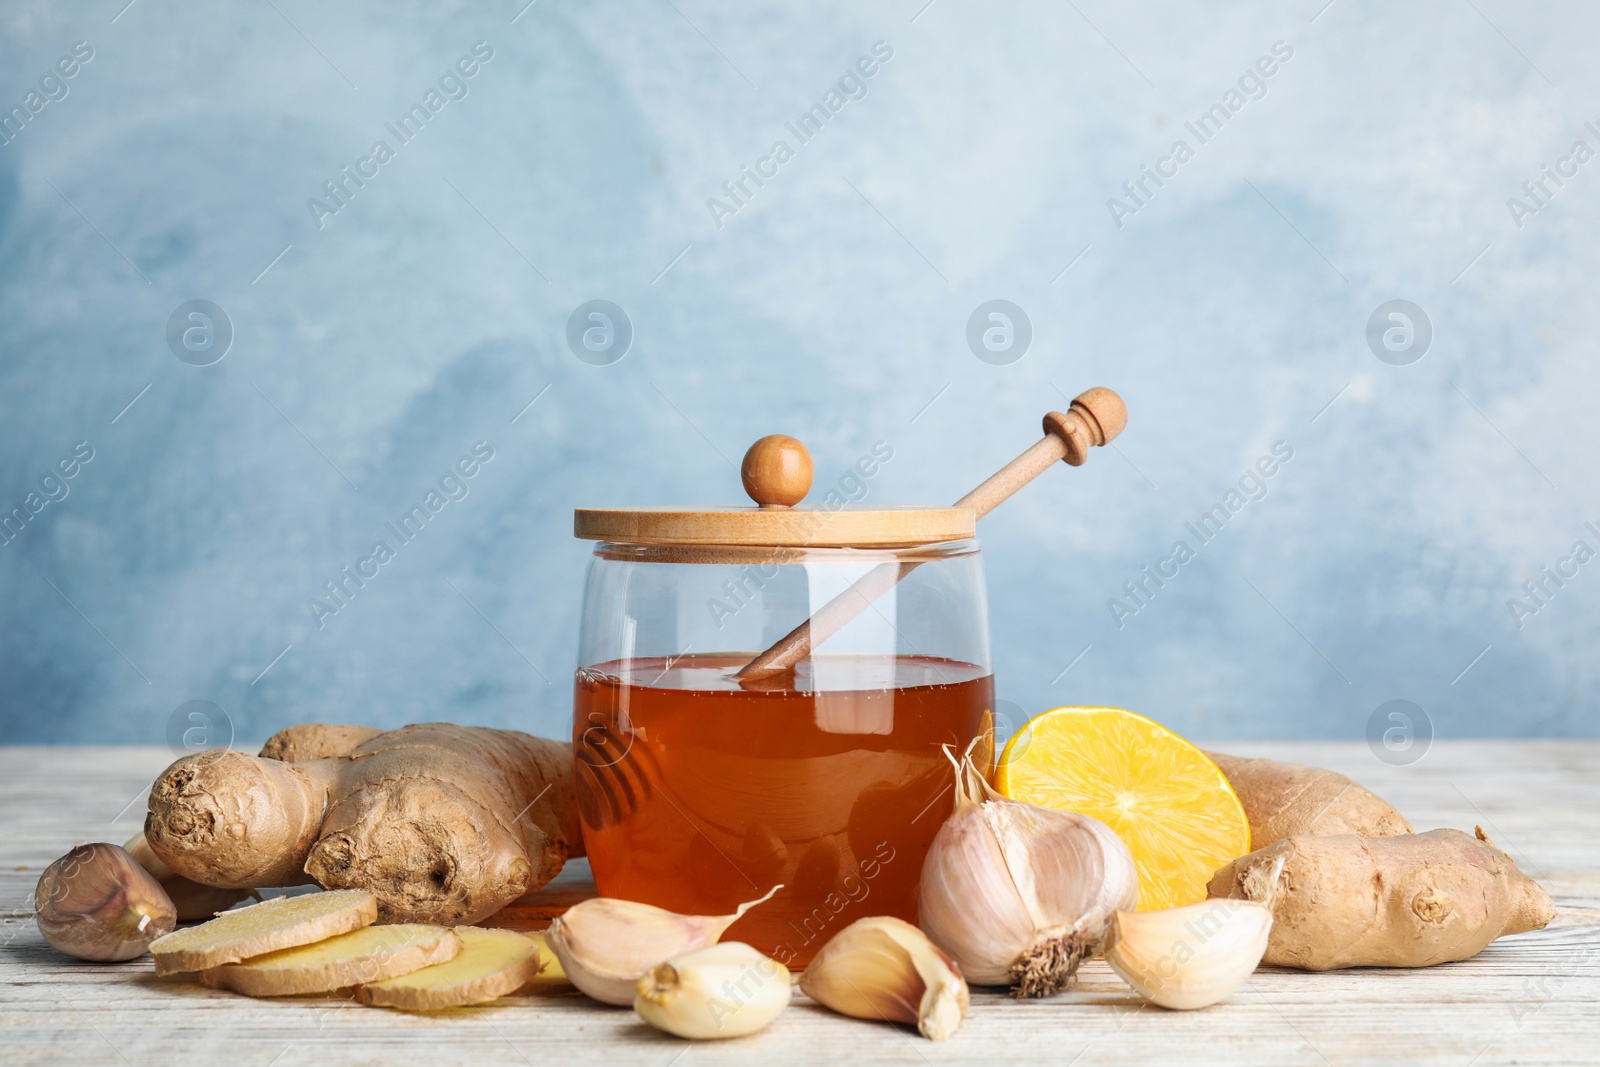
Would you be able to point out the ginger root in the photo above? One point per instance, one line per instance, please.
(1287, 800)
(1407, 901)
(316, 740)
(442, 823)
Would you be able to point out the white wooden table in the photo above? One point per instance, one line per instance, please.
(1531, 999)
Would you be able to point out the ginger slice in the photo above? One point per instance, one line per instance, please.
(279, 923)
(370, 954)
(493, 963)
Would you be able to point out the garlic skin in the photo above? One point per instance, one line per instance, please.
(724, 990)
(97, 903)
(885, 968)
(1020, 895)
(607, 944)
(1189, 957)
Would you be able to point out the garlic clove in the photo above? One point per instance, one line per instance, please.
(607, 944)
(97, 903)
(885, 968)
(1192, 956)
(723, 990)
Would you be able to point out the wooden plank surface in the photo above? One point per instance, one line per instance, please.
(1531, 999)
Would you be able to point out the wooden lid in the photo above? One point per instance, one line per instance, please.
(792, 527)
(777, 474)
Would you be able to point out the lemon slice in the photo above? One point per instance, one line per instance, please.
(1168, 802)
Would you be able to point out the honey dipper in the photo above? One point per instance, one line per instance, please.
(771, 473)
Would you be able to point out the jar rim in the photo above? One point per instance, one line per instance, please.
(783, 555)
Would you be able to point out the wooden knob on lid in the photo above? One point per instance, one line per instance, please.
(777, 471)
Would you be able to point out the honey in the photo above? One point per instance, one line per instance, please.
(698, 794)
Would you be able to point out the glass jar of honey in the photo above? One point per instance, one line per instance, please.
(707, 776)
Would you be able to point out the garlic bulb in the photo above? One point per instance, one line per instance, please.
(606, 945)
(96, 903)
(1018, 894)
(885, 968)
(1189, 957)
(724, 990)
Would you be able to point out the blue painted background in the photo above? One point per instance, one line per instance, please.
(375, 345)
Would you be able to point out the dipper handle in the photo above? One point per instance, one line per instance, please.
(1094, 418)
